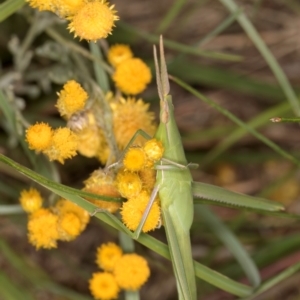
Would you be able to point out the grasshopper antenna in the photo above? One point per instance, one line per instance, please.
(162, 79)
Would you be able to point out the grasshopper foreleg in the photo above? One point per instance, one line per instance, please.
(138, 132)
(172, 165)
(146, 212)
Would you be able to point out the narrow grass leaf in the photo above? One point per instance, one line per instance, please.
(221, 27)
(152, 38)
(231, 242)
(239, 122)
(9, 7)
(10, 290)
(275, 280)
(172, 12)
(266, 53)
(257, 122)
(101, 75)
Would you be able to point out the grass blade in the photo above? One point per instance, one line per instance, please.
(236, 120)
(9, 7)
(231, 242)
(267, 55)
(275, 280)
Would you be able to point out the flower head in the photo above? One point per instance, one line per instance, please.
(93, 21)
(67, 8)
(132, 76)
(65, 206)
(89, 140)
(131, 271)
(129, 116)
(42, 229)
(154, 149)
(107, 255)
(103, 286)
(71, 99)
(102, 184)
(39, 136)
(31, 200)
(148, 177)
(106, 190)
(135, 159)
(63, 145)
(134, 208)
(118, 53)
(42, 4)
(69, 226)
(128, 184)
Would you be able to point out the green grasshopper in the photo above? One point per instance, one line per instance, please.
(175, 188)
(174, 185)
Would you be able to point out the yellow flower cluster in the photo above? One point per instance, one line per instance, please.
(64, 221)
(136, 181)
(102, 184)
(89, 19)
(59, 144)
(131, 75)
(121, 271)
(130, 115)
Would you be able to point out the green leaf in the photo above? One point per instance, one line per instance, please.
(60, 189)
(231, 242)
(9, 7)
(275, 280)
(215, 194)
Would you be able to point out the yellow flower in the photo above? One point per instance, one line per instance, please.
(89, 140)
(67, 8)
(39, 136)
(41, 4)
(31, 200)
(154, 149)
(93, 21)
(118, 53)
(128, 184)
(63, 145)
(106, 190)
(148, 177)
(131, 271)
(102, 184)
(132, 76)
(42, 229)
(107, 255)
(69, 226)
(92, 143)
(134, 208)
(129, 116)
(65, 206)
(103, 151)
(135, 159)
(71, 99)
(103, 286)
